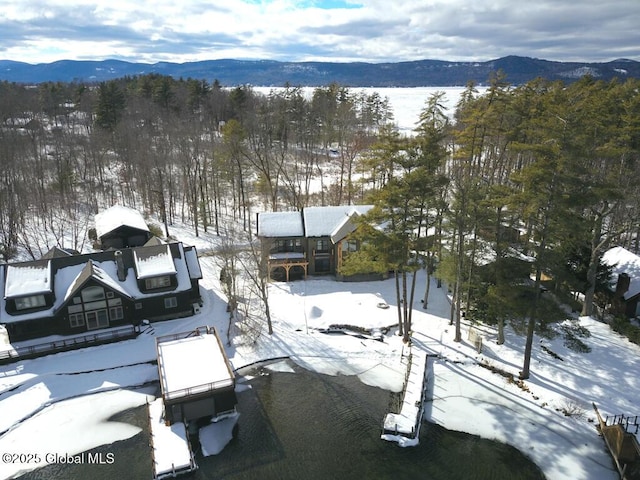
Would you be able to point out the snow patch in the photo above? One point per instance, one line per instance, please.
(215, 436)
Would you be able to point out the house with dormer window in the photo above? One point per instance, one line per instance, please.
(75, 293)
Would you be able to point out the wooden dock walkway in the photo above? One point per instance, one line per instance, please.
(404, 427)
(621, 443)
(171, 450)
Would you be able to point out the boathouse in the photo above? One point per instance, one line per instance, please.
(196, 378)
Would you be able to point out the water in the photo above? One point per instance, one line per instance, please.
(311, 426)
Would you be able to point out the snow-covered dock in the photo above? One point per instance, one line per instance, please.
(404, 427)
(172, 455)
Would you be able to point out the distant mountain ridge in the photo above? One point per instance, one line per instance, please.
(417, 73)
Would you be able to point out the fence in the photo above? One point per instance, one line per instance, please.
(66, 344)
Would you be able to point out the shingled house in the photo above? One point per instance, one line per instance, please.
(311, 242)
(69, 293)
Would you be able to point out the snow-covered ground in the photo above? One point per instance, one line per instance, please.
(61, 393)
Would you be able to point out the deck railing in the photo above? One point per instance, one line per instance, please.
(197, 389)
(65, 344)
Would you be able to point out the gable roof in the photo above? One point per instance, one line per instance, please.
(67, 274)
(30, 278)
(91, 270)
(345, 227)
(323, 221)
(624, 261)
(117, 216)
(280, 224)
(56, 252)
(330, 221)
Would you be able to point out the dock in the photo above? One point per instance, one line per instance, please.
(404, 427)
(171, 449)
(622, 444)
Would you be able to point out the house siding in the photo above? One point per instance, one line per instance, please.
(320, 234)
(88, 270)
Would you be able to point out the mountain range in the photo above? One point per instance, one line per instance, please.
(418, 73)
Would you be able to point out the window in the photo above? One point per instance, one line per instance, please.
(109, 294)
(287, 245)
(170, 302)
(322, 245)
(138, 306)
(114, 302)
(95, 305)
(92, 294)
(97, 319)
(75, 309)
(33, 301)
(116, 313)
(349, 246)
(76, 320)
(157, 282)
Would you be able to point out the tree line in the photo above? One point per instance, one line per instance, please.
(184, 150)
(510, 201)
(516, 198)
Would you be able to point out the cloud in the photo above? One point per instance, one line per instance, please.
(338, 30)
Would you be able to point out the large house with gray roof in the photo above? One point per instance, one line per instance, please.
(313, 241)
(136, 277)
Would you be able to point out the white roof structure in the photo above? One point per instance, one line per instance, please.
(191, 256)
(624, 261)
(323, 221)
(313, 222)
(192, 365)
(154, 261)
(25, 280)
(280, 224)
(117, 216)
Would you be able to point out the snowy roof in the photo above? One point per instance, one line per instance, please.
(323, 221)
(191, 256)
(28, 279)
(153, 261)
(117, 216)
(191, 362)
(280, 224)
(624, 261)
(91, 270)
(66, 279)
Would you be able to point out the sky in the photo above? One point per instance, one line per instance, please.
(377, 31)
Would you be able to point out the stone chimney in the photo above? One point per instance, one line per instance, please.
(122, 271)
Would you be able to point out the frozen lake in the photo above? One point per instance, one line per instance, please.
(406, 103)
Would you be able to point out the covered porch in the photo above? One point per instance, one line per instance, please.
(287, 261)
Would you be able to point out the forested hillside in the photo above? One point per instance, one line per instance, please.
(445, 73)
(542, 175)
